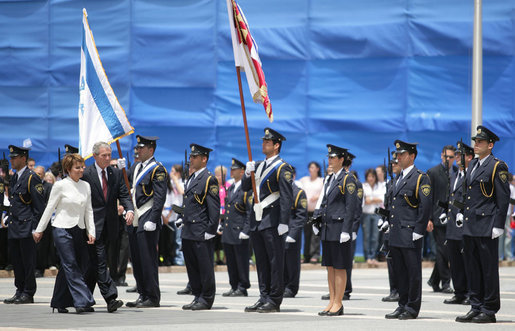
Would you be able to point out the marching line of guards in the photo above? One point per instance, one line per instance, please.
(274, 222)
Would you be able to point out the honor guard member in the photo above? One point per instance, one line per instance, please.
(69, 149)
(235, 233)
(293, 241)
(409, 215)
(149, 185)
(269, 220)
(27, 199)
(200, 219)
(336, 210)
(454, 233)
(486, 205)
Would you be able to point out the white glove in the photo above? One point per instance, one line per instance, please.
(459, 220)
(219, 228)
(416, 236)
(315, 230)
(121, 163)
(385, 227)
(354, 236)
(290, 239)
(443, 218)
(380, 223)
(179, 223)
(344, 237)
(208, 236)
(243, 236)
(149, 226)
(497, 232)
(251, 166)
(282, 229)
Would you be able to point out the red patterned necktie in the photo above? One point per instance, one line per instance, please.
(104, 183)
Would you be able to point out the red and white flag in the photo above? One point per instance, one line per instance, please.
(246, 56)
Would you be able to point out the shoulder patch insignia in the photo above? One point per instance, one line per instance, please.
(304, 203)
(213, 189)
(351, 187)
(426, 189)
(2, 189)
(39, 188)
(287, 175)
(160, 176)
(503, 176)
(250, 199)
(360, 193)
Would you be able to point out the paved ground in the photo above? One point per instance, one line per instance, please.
(364, 311)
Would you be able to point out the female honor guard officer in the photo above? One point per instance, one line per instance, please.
(488, 197)
(409, 215)
(336, 209)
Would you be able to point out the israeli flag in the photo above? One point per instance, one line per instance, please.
(101, 117)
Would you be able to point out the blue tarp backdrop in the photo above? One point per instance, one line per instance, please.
(358, 74)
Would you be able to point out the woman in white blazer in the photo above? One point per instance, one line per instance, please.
(73, 227)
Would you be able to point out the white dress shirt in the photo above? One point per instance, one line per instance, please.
(72, 204)
(99, 172)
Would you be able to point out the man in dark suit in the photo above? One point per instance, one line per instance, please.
(299, 216)
(200, 219)
(409, 215)
(454, 233)
(107, 187)
(440, 184)
(149, 179)
(269, 220)
(235, 235)
(488, 198)
(27, 199)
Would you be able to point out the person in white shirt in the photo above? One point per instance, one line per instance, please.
(73, 227)
(373, 198)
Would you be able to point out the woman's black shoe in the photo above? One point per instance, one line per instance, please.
(60, 310)
(336, 313)
(323, 313)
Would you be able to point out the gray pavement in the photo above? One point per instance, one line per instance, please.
(364, 311)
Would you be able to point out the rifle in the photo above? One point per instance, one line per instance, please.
(461, 204)
(390, 166)
(325, 169)
(445, 204)
(4, 164)
(186, 168)
(316, 221)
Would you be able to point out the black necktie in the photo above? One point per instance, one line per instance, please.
(398, 179)
(140, 169)
(15, 178)
(192, 177)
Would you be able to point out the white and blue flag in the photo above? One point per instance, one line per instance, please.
(101, 117)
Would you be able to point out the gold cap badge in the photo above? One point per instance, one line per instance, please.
(329, 149)
(478, 131)
(267, 132)
(11, 150)
(138, 140)
(398, 145)
(192, 148)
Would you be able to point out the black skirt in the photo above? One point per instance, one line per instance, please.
(337, 255)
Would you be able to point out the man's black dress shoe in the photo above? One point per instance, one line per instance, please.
(454, 301)
(393, 297)
(133, 304)
(121, 283)
(81, 310)
(113, 305)
(467, 317)
(11, 300)
(239, 293)
(147, 304)
(396, 313)
(200, 306)
(484, 318)
(326, 297)
(336, 313)
(186, 291)
(228, 293)
(268, 308)
(254, 307)
(447, 290)
(60, 310)
(406, 315)
(288, 294)
(39, 274)
(24, 298)
(133, 289)
(189, 305)
(346, 297)
(466, 302)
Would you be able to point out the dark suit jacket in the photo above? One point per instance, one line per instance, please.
(439, 191)
(484, 212)
(235, 219)
(299, 215)
(408, 212)
(359, 206)
(105, 212)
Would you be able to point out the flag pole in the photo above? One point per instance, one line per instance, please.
(249, 151)
(123, 170)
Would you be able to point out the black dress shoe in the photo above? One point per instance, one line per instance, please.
(81, 310)
(393, 297)
(23, 299)
(396, 313)
(147, 304)
(113, 305)
(467, 317)
(326, 297)
(466, 302)
(133, 304)
(336, 313)
(200, 306)
(228, 293)
(447, 290)
(288, 294)
(60, 310)
(189, 305)
(323, 313)
(133, 289)
(268, 308)
(483, 318)
(346, 297)
(121, 284)
(454, 301)
(39, 273)
(436, 288)
(254, 307)
(239, 293)
(186, 291)
(11, 300)
(406, 315)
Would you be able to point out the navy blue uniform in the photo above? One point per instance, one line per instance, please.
(268, 245)
(355, 227)
(27, 199)
(299, 216)
(201, 214)
(488, 196)
(409, 213)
